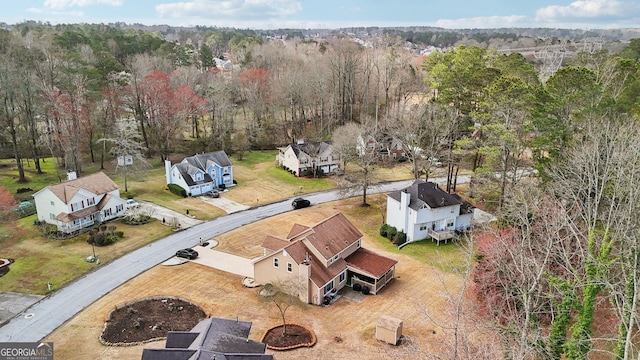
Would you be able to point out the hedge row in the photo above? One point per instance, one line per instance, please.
(176, 189)
(391, 233)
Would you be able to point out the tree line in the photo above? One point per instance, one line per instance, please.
(566, 243)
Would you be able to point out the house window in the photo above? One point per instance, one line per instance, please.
(52, 203)
(343, 276)
(289, 267)
(91, 201)
(423, 227)
(52, 216)
(275, 262)
(450, 222)
(107, 212)
(328, 288)
(451, 211)
(358, 244)
(335, 258)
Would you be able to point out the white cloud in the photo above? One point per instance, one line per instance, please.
(62, 4)
(484, 22)
(588, 9)
(225, 9)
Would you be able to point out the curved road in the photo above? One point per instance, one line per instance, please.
(51, 312)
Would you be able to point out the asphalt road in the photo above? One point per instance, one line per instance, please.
(42, 318)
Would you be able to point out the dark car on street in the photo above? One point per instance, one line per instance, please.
(299, 203)
(187, 253)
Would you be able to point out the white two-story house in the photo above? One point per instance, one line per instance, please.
(424, 211)
(79, 202)
(201, 173)
(303, 157)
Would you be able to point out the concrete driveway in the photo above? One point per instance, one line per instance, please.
(170, 216)
(229, 206)
(224, 261)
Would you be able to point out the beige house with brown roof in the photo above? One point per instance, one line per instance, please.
(323, 259)
(79, 202)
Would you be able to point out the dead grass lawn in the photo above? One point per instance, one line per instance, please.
(418, 287)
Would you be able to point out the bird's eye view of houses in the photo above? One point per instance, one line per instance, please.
(184, 180)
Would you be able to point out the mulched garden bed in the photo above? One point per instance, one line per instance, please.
(296, 336)
(149, 319)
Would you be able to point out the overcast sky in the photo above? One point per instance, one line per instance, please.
(268, 14)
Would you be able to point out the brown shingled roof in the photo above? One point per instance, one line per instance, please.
(370, 262)
(273, 243)
(321, 275)
(332, 235)
(97, 183)
(64, 217)
(297, 229)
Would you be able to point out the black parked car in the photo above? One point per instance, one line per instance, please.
(187, 253)
(299, 203)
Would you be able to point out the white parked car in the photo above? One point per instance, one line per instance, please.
(132, 204)
(435, 161)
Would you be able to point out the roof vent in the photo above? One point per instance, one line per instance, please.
(442, 201)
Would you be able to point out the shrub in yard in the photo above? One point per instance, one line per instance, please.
(235, 182)
(391, 233)
(176, 189)
(222, 186)
(384, 229)
(400, 238)
(119, 234)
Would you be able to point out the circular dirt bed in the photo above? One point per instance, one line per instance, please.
(148, 319)
(296, 336)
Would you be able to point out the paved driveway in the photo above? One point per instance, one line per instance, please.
(224, 261)
(229, 206)
(162, 213)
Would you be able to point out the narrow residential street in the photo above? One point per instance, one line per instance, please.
(40, 319)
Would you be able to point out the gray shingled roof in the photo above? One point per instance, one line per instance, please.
(224, 338)
(187, 171)
(203, 161)
(311, 148)
(428, 193)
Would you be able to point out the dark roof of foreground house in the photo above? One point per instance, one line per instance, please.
(212, 338)
(422, 192)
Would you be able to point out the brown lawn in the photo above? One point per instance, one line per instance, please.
(344, 329)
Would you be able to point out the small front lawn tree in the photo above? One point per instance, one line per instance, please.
(282, 294)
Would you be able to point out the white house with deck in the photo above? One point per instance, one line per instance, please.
(79, 202)
(424, 211)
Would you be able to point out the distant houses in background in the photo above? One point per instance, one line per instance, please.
(79, 202)
(384, 145)
(303, 159)
(424, 211)
(201, 173)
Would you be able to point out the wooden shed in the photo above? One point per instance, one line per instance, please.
(389, 329)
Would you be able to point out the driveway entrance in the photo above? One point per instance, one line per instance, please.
(224, 261)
